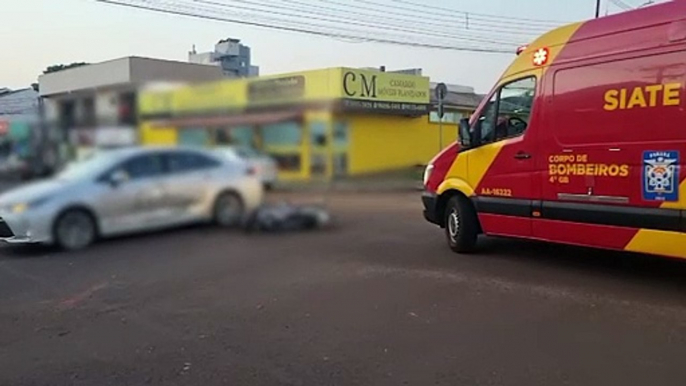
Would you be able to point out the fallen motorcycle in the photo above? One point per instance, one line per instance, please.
(285, 217)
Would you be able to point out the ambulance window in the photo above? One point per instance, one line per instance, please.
(514, 109)
(487, 120)
(508, 112)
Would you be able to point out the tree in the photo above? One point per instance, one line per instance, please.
(60, 67)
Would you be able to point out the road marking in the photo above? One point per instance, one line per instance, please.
(76, 299)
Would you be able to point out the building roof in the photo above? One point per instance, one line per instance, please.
(455, 87)
(463, 100)
(460, 98)
(130, 72)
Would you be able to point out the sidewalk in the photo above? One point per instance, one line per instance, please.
(401, 180)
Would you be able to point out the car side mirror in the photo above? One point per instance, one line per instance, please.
(118, 177)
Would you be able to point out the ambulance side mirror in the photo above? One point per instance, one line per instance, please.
(463, 132)
(467, 137)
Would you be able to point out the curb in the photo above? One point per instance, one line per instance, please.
(349, 188)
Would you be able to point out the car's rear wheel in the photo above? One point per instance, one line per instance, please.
(228, 210)
(461, 225)
(75, 229)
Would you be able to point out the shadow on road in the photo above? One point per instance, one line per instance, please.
(30, 251)
(8, 251)
(39, 250)
(593, 262)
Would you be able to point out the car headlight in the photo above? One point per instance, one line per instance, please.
(427, 173)
(21, 207)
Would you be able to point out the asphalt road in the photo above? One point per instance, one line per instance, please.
(376, 300)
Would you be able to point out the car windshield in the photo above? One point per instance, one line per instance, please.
(92, 164)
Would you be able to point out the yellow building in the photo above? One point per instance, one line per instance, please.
(316, 124)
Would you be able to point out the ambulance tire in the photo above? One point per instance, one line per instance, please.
(461, 225)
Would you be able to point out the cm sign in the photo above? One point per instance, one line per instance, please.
(359, 85)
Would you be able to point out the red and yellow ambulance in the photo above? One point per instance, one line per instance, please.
(582, 141)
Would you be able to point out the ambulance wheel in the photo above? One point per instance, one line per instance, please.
(461, 225)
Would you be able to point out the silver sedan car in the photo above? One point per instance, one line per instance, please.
(265, 166)
(129, 190)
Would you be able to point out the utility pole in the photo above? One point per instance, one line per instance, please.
(597, 9)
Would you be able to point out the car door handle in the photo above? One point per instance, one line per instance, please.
(522, 155)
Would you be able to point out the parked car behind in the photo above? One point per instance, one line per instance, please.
(263, 165)
(129, 190)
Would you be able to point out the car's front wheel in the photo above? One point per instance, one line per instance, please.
(461, 225)
(75, 229)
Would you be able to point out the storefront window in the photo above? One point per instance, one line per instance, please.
(340, 134)
(318, 134)
(194, 137)
(282, 134)
(241, 136)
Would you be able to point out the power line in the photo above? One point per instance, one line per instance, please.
(488, 26)
(326, 27)
(482, 15)
(312, 15)
(303, 28)
(434, 26)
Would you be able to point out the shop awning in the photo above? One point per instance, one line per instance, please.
(248, 119)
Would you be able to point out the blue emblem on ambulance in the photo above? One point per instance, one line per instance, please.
(661, 175)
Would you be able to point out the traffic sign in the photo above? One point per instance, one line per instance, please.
(441, 91)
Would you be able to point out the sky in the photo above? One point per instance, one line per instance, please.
(39, 33)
